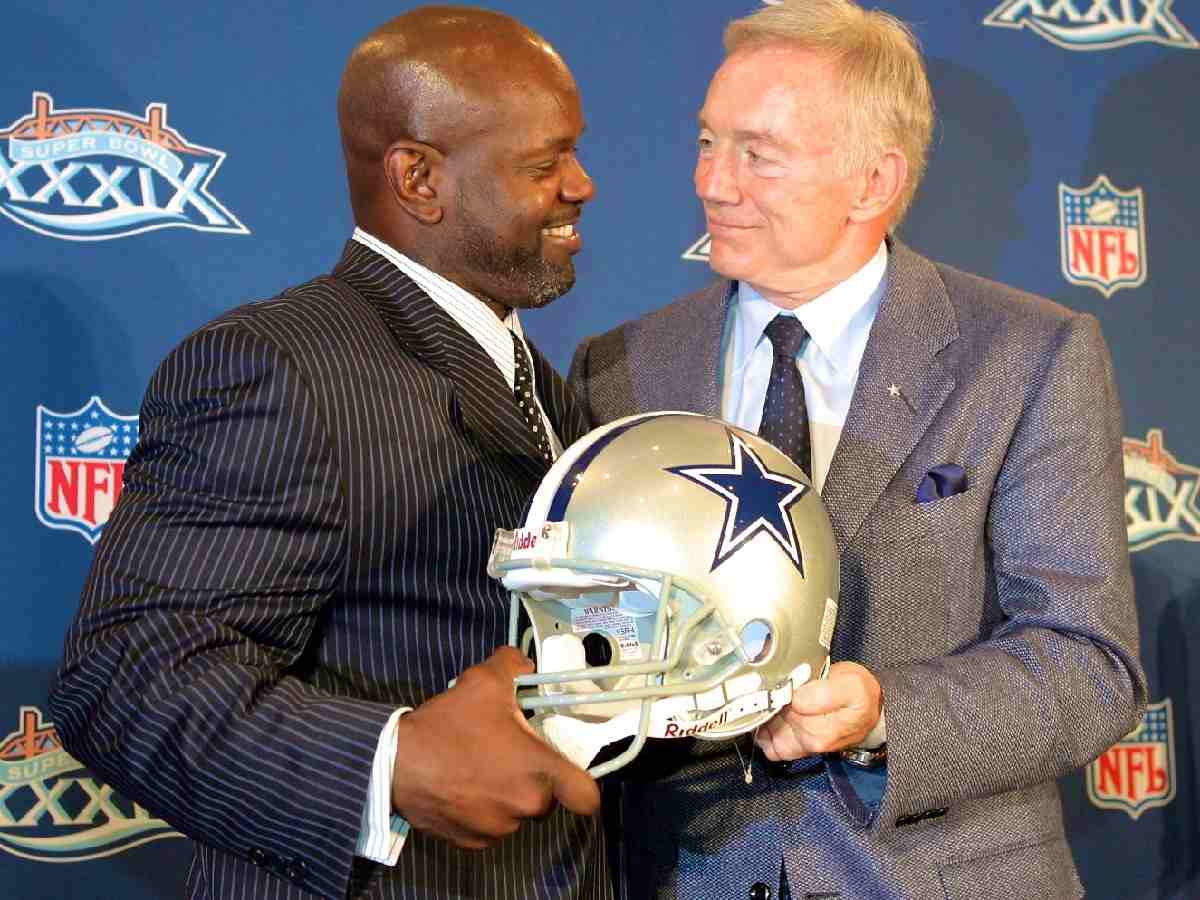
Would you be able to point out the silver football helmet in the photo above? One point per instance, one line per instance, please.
(679, 576)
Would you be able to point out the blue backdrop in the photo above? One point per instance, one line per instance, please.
(160, 165)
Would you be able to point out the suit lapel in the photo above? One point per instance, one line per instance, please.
(564, 412)
(671, 376)
(900, 388)
(428, 332)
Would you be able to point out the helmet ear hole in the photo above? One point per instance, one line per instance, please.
(597, 649)
(757, 640)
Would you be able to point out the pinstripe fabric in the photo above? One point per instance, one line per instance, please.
(496, 337)
(1000, 621)
(300, 547)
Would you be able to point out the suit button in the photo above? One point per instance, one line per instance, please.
(258, 856)
(296, 870)
(760, 891)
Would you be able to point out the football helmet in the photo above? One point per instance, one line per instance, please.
(675, 577)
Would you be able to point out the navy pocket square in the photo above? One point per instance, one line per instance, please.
(942, 481)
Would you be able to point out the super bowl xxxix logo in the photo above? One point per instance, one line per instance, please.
(80, 462)
(66, 173)
(51, 810)
(1095, 24)
(1160, 494)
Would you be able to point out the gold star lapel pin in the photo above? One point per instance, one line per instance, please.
(896, 394)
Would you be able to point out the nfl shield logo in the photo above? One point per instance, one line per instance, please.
(1138, 773)
(1103, 236)
(80, 462)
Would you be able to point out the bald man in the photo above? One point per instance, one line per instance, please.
(297, 567)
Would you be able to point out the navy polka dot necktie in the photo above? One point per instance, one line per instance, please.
(527, 403)
(785, 415)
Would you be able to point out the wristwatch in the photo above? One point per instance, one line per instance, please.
(864, 758)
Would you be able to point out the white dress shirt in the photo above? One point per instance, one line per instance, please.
(382, 833)
(494, 335)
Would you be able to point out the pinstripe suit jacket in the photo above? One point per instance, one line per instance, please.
(300, 548)
(1000, 621)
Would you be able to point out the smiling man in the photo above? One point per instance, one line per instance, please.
(966, 439)
(299, 555)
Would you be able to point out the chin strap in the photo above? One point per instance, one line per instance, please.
(671, 717)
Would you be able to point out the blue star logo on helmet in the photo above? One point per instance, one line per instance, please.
(757, 501)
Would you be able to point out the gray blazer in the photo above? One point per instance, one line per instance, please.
(1000, 621)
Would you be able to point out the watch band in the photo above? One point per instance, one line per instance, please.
(864, 758)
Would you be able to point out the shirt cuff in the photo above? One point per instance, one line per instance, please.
(382, 833)
(878, 735)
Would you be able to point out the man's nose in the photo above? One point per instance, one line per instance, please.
(715, 180)
(577, 185)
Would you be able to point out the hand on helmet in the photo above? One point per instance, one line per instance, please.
(825, 715)
(469, 768)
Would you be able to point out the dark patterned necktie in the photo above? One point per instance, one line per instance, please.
(527, 403)
(785, 416)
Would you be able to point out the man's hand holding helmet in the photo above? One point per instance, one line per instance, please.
(824, 716)
(469, 768)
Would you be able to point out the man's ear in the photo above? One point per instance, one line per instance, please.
(882, 185)
(414, 173)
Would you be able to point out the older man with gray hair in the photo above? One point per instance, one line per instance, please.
(966, 438)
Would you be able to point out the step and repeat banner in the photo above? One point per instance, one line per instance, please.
(158, 166)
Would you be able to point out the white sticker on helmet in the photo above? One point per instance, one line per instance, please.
(828, 620)
(612, 621)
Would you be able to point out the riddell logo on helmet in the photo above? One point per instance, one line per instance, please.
(671, 729)
(526, 540)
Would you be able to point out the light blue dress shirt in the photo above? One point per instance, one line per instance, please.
(838, 323)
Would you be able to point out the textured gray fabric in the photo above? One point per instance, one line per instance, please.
(999, 621)
(300, 548)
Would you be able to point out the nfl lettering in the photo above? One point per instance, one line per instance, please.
(80, 461)
(1103, 236)
(1138, 772)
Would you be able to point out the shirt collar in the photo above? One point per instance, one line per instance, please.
(838, 321)
(471, 313)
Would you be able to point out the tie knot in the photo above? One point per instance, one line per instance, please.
(787, 336)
